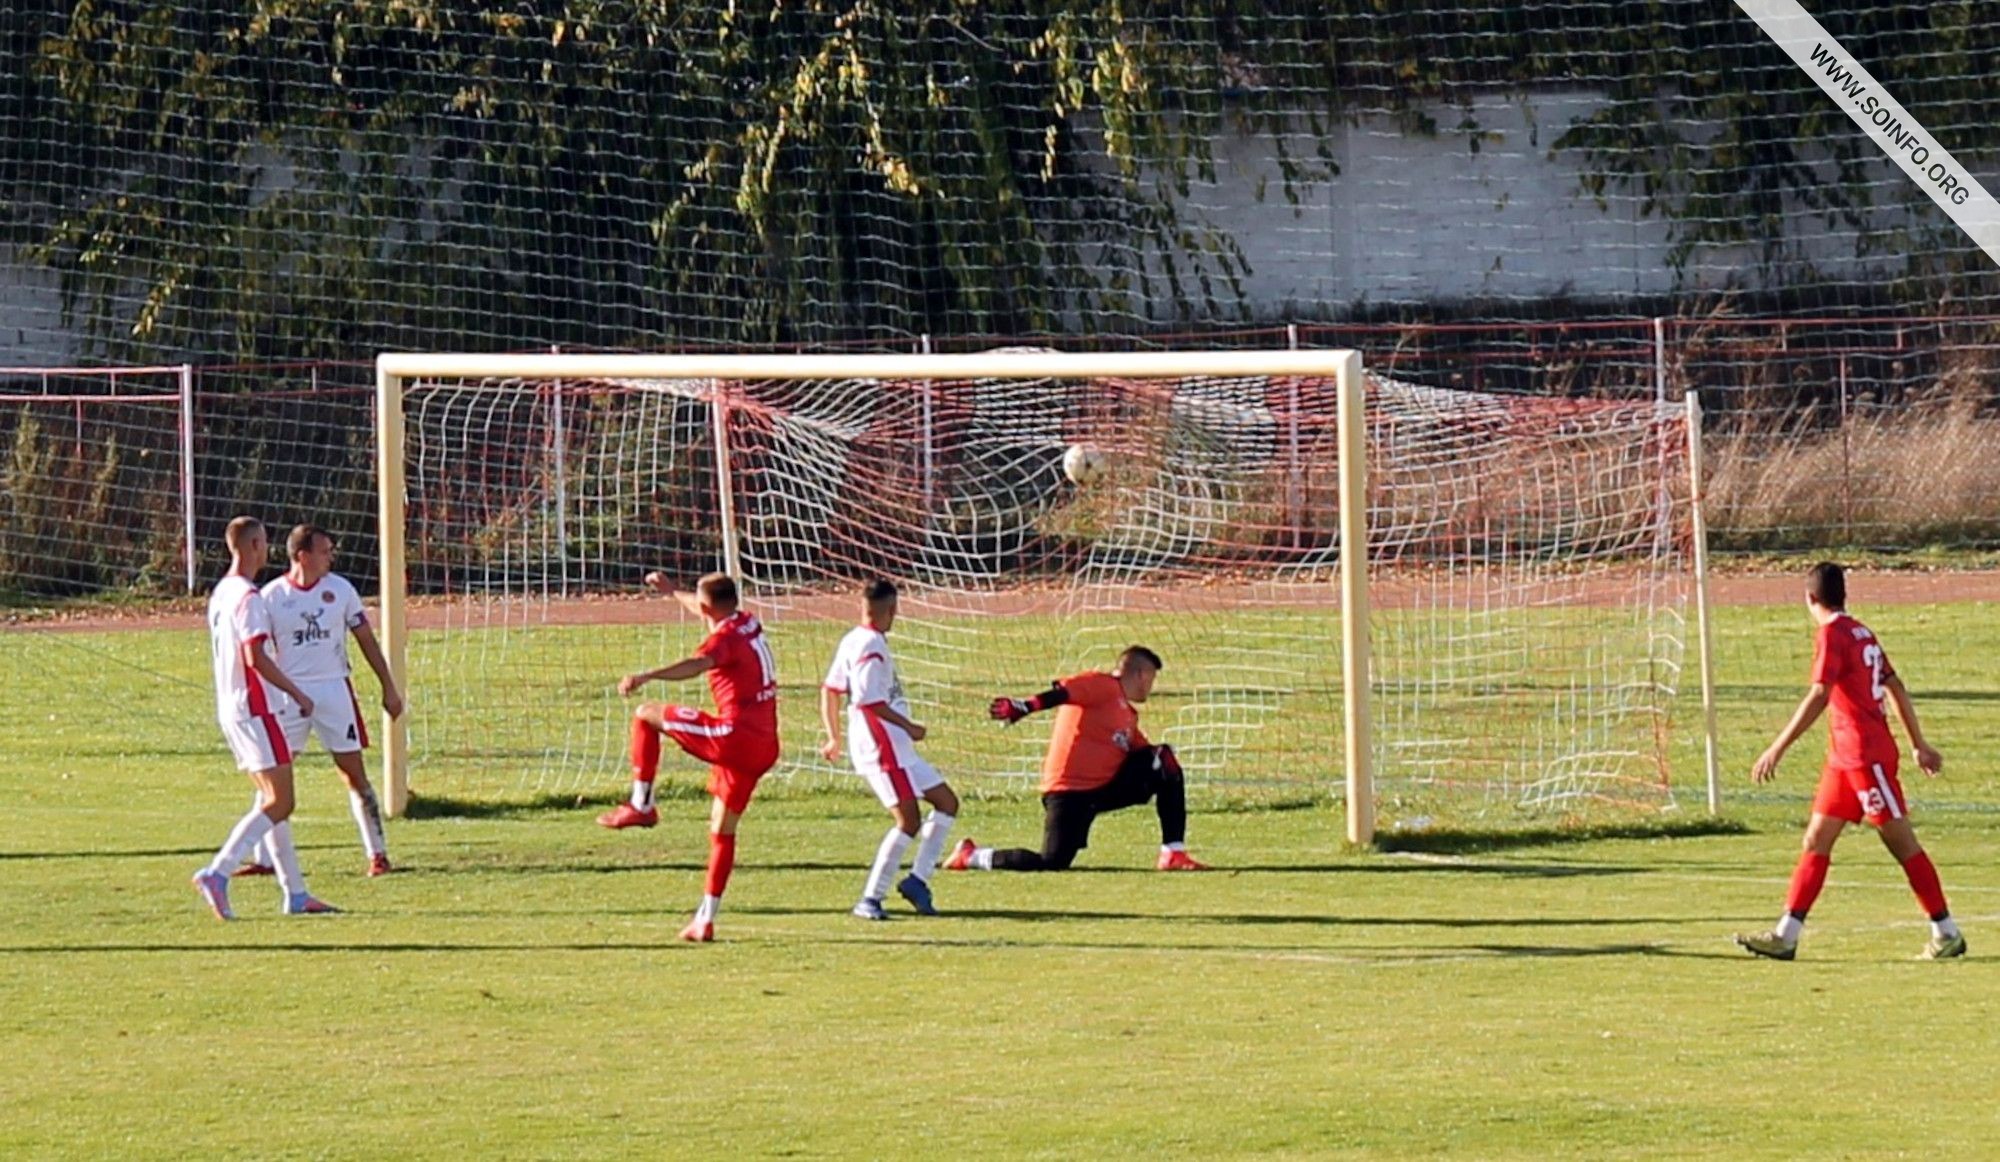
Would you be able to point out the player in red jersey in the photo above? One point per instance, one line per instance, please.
(739, 742)
(1850, 676)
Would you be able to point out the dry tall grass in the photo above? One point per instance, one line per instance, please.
(1896, 477)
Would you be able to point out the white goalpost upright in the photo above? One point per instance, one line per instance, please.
(1510, 638)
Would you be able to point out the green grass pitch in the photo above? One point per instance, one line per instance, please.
(519, 992)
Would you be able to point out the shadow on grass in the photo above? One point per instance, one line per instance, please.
(202, 853)
(453, 807)
(1395, 955)
(1060, 915)
(1471, 841)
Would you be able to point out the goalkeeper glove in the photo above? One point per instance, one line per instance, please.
(1010, 710)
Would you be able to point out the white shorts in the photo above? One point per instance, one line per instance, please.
(336, 718)
(907, 779)
(258, 744)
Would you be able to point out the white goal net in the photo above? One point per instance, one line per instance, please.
(1529, 561)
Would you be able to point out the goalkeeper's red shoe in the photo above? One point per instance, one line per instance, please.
(1179, 861)
(961, 856)
(629, 816)
(378, 865)
(699, 932)
(255, 869)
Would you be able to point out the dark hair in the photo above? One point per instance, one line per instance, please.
(1827, 584)
(301, 538)
(1140, 654)
(240, 530)
(718, 589)
(879, 590)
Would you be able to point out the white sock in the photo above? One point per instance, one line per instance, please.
(709, 906)
(260, 852)
(642, 795)
(1164, 847)
(1789, 927)
(930, 848)
(1945, 927)
(888, 858)
(982, 859)
(248, 833)
(368, 817)
(291, 880)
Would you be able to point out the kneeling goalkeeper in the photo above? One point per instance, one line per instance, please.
(1097, 761)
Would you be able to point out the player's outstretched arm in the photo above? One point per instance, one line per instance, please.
(689, 600)
(680, 671)
(1012, 710)
(392, 698)
(1766, 767)
(1928, 759)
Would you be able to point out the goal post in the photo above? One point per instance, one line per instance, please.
(1508, 574)
(395, 371)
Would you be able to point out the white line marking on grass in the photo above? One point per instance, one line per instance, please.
(1887, 123)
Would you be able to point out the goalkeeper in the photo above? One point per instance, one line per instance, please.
(1097, 761)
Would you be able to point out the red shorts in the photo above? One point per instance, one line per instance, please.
(1870, 792)
(736, 759)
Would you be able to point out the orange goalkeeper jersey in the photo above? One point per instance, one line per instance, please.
(1094, 732)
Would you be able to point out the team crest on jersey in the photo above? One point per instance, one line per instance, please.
(312, 631)
(1122, 739)
(326, 597)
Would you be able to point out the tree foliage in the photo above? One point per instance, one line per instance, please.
(322, 178)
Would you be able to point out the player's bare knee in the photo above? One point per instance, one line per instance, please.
(905, 812)
(353, 774)
(942, 798)
(1821, 834)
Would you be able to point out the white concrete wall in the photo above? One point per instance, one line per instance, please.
(1408, 218)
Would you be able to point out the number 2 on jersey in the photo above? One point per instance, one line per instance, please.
(1872, 655)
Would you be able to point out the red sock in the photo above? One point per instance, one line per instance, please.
(721, 861)
(1807, 879)
(1924, 881)
(645, 750)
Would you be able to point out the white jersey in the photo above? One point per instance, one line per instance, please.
(237, 618)
(310, 626)
(863, 670)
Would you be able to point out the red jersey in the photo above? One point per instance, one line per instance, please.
(1850, 663)
(745, 677)
(1094, 732)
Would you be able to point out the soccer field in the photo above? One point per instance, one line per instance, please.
(519, 992)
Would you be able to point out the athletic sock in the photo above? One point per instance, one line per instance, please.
(930, 848)
(721, 861)
(710, 905)
(248, 833)
(1789, 927)
(368, 817)
(1166, 847)
(1923, 878)
(645, 763)
(1808, 877)
(888, 857)
(291, 881)
(260, 851)
(982, 859)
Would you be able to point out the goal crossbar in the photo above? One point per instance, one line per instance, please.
(980, 365)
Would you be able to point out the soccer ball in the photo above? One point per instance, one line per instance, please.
(1083, 463)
